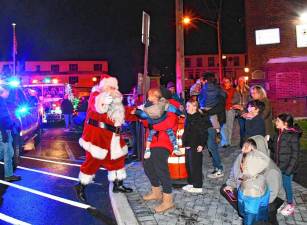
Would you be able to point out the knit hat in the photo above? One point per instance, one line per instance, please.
(170, 85)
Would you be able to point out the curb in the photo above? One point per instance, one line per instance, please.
(121, 208)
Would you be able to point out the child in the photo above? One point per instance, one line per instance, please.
(194, 139)
(285, 149)
(253, 193)
(154, 112)
(254, 124)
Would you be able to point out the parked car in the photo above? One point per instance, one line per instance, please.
(25, 114)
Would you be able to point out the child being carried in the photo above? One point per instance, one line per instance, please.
(155, 111)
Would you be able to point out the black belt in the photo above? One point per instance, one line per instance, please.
(103, 125)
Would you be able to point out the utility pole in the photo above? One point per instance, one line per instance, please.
(219, 41)
(145, 41)
(180, 85)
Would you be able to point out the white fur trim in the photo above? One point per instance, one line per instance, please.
(116, 150)
(109, 81)
(96, 152)
(117, 174)
(99, 103)
(85, 179)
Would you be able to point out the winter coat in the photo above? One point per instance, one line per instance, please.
(195, 130)
(209, 95)
(272, 172)
(254, 126)
(230, 100)
(285, 148)
(67, 107)
(267, 116)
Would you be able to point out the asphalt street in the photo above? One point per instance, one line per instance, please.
(45, 195)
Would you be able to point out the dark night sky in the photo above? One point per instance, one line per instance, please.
(110, 29)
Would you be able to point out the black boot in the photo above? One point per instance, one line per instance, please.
(119, 187)
(80, 192)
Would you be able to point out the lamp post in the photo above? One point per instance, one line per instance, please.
(14, 48)
(216, 25)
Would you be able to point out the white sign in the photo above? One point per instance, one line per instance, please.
(301, 35)
(267, 36)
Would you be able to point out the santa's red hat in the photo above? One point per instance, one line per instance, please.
(108, 81)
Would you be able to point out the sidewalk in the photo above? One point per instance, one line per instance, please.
(206, 208)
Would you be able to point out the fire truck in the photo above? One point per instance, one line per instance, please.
(48, 97)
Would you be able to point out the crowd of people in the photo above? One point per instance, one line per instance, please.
(259, 185)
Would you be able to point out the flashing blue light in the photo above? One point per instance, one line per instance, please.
(21, 111)
(14, 82)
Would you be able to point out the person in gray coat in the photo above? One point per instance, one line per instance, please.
(272, 176)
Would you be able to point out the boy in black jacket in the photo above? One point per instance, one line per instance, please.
(194, 139)
(254, 122)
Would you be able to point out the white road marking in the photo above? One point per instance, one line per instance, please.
(50, 174)
(52, 161)
(53, 197)
(12, 220)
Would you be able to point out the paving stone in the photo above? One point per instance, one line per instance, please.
(208, 208)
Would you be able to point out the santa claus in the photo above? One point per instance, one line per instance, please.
(101, 137)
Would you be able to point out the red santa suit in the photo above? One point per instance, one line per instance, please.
(101, 139)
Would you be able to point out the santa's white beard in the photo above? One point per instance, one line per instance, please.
(116, 110)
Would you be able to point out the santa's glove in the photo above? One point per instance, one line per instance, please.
(106, 99)
(147, 153)
(176, 150)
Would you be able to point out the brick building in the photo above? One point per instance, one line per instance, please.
(82, 75)
(276, 40)
(196, 65)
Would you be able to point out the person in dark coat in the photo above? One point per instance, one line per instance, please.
(254, 120)
(67, 109)
(285, 148)
(194, 140)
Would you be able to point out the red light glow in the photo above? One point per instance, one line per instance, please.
(34, 81)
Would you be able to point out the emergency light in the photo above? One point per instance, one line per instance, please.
(21, 111)
(13, 82)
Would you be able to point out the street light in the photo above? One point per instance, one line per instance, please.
(186, 20)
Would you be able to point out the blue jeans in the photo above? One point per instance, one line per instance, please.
(6, 154)
(287, 183)
(226, 131)
(242, 130)
(213, 148)
(68, 120)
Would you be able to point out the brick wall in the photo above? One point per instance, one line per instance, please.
(266, 14)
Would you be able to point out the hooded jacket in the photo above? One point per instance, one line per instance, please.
(272, 173)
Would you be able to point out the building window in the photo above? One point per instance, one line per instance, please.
(98, 67)
(199, 62)
(73, 67)
(38, 68)
(211, 62)
(55, 68)
(236, 61)
(187, 62)
(73, 80)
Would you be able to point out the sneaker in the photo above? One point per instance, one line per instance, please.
(282, 207)
(195, 190)
(147, 154)
(187, 187)
(217, 174)
(288, 210)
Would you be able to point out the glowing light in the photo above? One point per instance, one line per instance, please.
(47, 80)
(55, 81)
(246, 70)
(303, 17)
(224, 57)
(53, 105)
(246, 78)
(186, 20)
(22, 111)
(34, 81)
(94, 79)
(13, 82)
